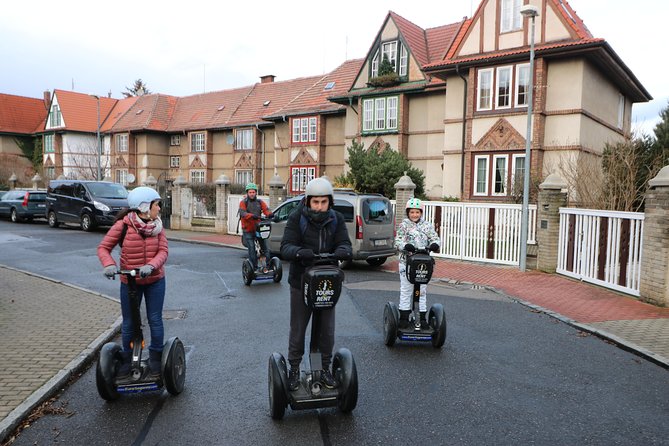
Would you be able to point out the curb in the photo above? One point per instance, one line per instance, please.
(16, 416)
(204, 242)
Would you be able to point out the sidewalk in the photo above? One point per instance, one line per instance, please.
(51, 330)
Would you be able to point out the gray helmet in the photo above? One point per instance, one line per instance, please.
(319, 187)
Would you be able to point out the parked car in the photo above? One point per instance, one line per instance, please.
(87, 203)
(369, 220)
(20, 205)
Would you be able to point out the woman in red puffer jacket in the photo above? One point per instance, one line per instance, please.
(143, 247)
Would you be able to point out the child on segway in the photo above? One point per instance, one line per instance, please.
(251, 209)
(412, 234)
(139, 232)
(313, 228)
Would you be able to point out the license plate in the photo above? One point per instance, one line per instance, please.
(41, 205)
(380, 242)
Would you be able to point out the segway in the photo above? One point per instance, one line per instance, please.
(271, 270)
(322, 286)
(173, 360)
(419, 268)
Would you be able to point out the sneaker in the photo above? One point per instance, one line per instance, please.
(404, 319)
(328, 380)
(423, 321)
(154, 364)
(293, 379)
(124, 369)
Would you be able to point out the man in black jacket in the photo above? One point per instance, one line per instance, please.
(314, 227)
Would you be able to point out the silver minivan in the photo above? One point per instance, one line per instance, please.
(369, 219)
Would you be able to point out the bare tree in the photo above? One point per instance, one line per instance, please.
(585, 180)
(83, 161)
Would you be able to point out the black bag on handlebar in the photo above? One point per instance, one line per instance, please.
(419, 268)
(321, 285)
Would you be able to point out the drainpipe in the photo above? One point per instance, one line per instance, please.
(464, 122)
(262, 160)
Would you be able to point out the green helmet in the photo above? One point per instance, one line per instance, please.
(251, 186)
(414, 203)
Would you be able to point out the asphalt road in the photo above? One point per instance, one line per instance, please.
(506, 374)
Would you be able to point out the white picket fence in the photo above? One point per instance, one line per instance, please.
(234, 226)
(601, 247)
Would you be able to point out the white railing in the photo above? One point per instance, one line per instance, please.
(234, 226)
(601, 247)
(484, 232)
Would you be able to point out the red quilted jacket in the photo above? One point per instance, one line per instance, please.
(137, 251)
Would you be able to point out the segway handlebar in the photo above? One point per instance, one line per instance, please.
(128, 272)
(417, 251)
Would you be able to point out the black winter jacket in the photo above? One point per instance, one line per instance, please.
(320, 238)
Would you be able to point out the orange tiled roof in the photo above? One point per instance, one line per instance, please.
(20, 114)
(147, 112)
(79, 110)
(117, 112)
(315, 98)
(207, 110)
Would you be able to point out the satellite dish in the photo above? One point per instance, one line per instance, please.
(131, 178)
(230, 139)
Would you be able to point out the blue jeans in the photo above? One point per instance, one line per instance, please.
(154, 295)
(249, 238)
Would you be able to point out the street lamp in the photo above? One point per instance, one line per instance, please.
(99, 151)
(531, 12)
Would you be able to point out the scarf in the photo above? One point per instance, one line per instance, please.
(145, 229)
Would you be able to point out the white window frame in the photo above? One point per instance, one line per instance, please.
(243, 176)
(380, 113)
(389, 49)
(312, 129)
(368, 115)
(487, 72)
(55, 117)
(509, 87)
(122, 143)
(621, 110)
(391, 112)
(50, 172)
(48, 144)
(522, 73)
(175, 161)
(197, 142)
(198, 176)
(305, 129)
(243, 139)
(122, 176)
(514, 167)
(175, 140)
(375, 64)
(404, 60)
(300, 176)
(511, 19)
(297, 125)
(475, 191)
(505, 176)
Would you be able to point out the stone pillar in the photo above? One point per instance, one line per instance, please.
(222, 193)
(150, 182)
(277, 191)
(404, 189)
(654, 281)
(36, 180)
(175, 218)
(12, 182)
(551, 199)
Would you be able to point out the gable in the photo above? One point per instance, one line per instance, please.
(501, 136)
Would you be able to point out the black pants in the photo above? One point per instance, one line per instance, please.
(299, 318)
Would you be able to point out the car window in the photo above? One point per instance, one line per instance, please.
(107, 190)
(80, 192)
(37, 197)
(376, 211)
(66, 189)
(284, 211)
(345, 208)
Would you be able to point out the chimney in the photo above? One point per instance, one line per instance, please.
(47, 99)
(267, 79)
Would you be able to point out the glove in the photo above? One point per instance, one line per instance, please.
(409, 247)
(256, 217)
(145, 271)
(305, 254)
(270, 216)
(342, 254)
(434, 247)
(110, 271)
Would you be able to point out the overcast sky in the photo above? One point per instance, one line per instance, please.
(185, 48)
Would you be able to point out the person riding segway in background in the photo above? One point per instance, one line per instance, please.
(140, 233)
(250, 210)
(413, 233)
(314, 227)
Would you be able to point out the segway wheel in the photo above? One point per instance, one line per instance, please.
(247, 272)
(105, 372)
(277, 379)
(346, 373)
(275, 264)
(389, 324)
(437, 319)
(174, 367)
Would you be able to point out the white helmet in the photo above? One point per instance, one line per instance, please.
(140, 198)
(319, 187)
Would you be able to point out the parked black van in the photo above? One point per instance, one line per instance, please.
(87, 203)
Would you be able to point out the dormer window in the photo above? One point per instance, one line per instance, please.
(394, 51)
(55, 116)
(510, 15)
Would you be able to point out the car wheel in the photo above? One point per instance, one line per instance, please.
(377, 261)
(15, 217)
(86, 222)
(53, 221)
